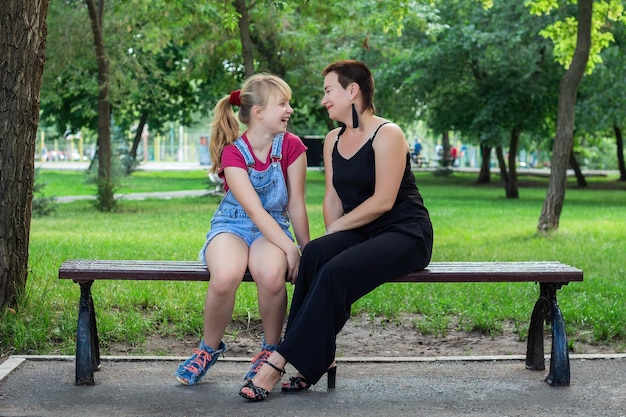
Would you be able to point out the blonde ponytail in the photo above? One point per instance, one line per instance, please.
(224, 130)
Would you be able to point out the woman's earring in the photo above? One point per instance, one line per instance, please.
(355, 117)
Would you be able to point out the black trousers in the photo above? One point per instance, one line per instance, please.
(335, 271)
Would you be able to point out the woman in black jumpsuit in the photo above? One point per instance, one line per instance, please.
(377, 229)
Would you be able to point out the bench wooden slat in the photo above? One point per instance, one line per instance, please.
(89, 270)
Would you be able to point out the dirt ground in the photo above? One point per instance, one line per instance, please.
(365, 337)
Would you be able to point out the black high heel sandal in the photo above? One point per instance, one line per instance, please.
(258, 393)
(300, 383)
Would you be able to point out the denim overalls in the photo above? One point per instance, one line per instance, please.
(271, 188)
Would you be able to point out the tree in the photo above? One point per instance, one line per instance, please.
(484, 74)
(171, 61)
(246, 40)
(578, 57)
(22, 55)
(69, 81)
(562, 148)
(105, 182)
(601, 108)
(148, 73)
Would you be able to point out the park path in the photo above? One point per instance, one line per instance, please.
(434, 387)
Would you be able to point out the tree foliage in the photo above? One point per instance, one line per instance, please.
(489, 75)
(563, 32)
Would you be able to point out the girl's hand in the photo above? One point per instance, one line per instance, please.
(293, 263)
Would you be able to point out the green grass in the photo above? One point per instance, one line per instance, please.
(471, 222)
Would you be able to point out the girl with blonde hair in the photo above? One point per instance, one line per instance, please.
(264, 171)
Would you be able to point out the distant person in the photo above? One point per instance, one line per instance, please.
(454, 154)
(264, 172)
(377, 229)
(439, 151)
(417, 150)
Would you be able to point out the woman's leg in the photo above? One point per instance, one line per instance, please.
(314, 257)
(259, 387)
(310, 342)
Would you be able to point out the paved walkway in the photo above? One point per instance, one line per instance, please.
(195, 166)
(435, 387)
(138, 196)
(150, 166)
(144, 166)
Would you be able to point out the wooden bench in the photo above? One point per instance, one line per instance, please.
(551, 276)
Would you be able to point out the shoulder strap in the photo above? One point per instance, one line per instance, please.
(243, 148)
(343, 129)
(277, 147)
(377, 129)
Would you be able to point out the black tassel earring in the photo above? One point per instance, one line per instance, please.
(355, 117)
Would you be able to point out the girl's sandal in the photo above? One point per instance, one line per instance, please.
(253, 393)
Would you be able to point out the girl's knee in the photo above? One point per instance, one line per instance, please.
(270, 276)
(272, 286)
(224, 285)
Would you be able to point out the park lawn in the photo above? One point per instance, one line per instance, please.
(471, 222)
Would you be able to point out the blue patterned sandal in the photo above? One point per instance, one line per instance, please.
(193, 369)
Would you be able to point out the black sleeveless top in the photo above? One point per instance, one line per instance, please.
(354, 180)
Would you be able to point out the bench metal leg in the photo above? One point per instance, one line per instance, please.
(534, 346)
(546, 309)
(559, 360)
(87, 345)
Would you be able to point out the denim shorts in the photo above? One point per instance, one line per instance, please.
(237, 222)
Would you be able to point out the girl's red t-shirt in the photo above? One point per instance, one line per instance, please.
(293, 147)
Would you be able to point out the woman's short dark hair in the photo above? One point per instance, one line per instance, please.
(352, 71)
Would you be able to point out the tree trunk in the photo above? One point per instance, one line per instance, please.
(246, 38)
(512, 187)
(502, 166)
(23, 34)
(132, 154)
(620, 152)
(105, 198)
(568, 89)
(580, 178)
(484, 176)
